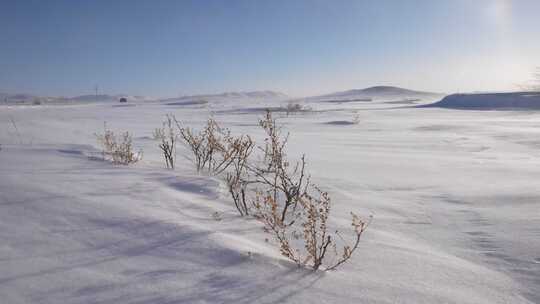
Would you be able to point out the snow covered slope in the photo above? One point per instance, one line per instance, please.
(491, 101)
(228, 100)
(257, 95)
(453, 195)
(376, 93)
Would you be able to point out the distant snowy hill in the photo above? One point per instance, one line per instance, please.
(376, 92)
(90, 97)
(104, 97)
(6, 98)
(227, 95)
(487, 101)
(228, 98)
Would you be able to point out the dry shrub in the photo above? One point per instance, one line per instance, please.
(231, 151)
(237, 178)
(216, 151)
(275, 174)
(293, 107)
(214, 148)
(307, 241)
(205, 145)
(292, 209)
(118, 147)
(167, 136)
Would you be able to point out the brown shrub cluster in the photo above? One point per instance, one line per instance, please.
(307, 240)
(118, 148)
(213, 147)
(275, 191)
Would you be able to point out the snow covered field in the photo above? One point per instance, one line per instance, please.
(454, 195)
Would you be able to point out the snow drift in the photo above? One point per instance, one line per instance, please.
(453, 194)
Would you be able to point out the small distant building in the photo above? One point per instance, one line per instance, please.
(123, 99)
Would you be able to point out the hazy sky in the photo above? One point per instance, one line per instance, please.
(167, 48)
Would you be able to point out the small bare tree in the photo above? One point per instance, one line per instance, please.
(167, 136)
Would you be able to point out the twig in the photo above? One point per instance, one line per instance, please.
(16, 129)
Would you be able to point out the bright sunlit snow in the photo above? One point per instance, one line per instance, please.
(453, 195)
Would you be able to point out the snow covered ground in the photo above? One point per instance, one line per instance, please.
(454, 195)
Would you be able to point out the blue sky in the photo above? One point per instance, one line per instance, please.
(168, 48)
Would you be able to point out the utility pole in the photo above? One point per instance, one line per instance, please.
(96, 88)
